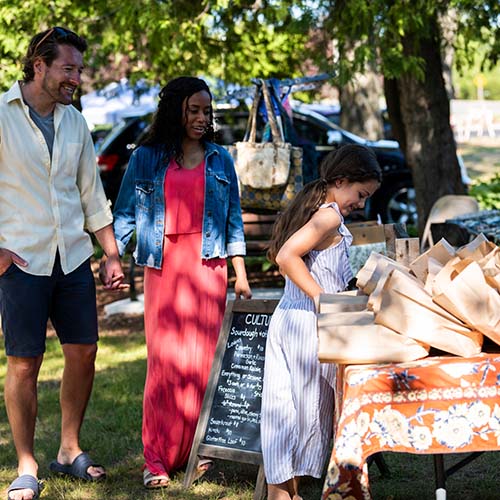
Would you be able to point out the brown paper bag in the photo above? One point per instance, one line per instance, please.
(375, 267)
(449, 272)
(408, 309)
(441, 252)
(490, 264)
(341, 302)
(353, 338)
(477, 248)
(375, 298)
(469, 297)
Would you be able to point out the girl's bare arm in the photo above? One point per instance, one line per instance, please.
(321, 227)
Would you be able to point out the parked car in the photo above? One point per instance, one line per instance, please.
(113, 153)
(393, 202)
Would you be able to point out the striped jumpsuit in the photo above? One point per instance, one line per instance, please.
(297, 398)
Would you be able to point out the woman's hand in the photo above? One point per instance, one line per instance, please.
(111, 274)
(242, 288)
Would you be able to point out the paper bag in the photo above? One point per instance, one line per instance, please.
(469, 297)
(477, 248)
(408, 309)
(375, 267)
(341, 302)
(441, 252)
(353, 338)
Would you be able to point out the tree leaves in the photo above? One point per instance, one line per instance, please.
(159, 39)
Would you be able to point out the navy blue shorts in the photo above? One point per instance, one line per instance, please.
(28, 301)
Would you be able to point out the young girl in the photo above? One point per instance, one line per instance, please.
(310, 245)
(180, 194)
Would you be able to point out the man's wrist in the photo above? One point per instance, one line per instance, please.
(112, 256)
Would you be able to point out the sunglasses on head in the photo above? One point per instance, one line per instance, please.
(58, 32)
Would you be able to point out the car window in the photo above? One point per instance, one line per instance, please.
(230, 126)
(310, 132)
(122, 136)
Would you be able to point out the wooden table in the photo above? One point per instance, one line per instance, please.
(436, 405)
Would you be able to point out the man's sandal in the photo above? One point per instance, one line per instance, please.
(78, 469)
(25, 482)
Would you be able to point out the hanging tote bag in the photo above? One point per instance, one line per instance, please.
(263, 164)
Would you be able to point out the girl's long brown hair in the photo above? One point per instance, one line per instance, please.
(352, 162)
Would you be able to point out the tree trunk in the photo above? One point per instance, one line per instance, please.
(429, 145)
(394, 109)
(360, 105)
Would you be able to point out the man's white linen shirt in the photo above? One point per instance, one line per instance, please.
(47, 205)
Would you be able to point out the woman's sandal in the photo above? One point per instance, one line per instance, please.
(154, 481)
(204, 465)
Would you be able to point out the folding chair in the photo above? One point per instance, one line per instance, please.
(445, 208)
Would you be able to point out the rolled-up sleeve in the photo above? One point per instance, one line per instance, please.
(96, 207)
(235, 233)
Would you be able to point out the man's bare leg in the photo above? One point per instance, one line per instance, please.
(76, 387)
(20, 393)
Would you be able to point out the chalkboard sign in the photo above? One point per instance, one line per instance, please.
(229, 424)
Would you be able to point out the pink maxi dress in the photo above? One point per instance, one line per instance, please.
(184, 306)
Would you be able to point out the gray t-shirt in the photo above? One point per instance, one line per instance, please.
(46, 125)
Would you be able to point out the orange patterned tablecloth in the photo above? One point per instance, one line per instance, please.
(434, 405)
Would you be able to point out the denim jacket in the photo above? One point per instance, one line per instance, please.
(141, 202)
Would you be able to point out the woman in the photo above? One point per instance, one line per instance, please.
(180, 194)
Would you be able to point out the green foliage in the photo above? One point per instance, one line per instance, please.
(388, 33)
(161, 39)
(487, 192)
(466, 74)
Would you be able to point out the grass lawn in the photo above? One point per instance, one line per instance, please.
(111, 433)
(481, 157)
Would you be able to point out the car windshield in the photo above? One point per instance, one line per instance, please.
(112, 134)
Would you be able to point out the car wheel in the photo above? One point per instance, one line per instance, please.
(396, 204)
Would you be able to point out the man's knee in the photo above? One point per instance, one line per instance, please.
(80, 354)
(24, 368)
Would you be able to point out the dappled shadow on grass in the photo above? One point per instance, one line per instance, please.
(112, 434)
(412, 478)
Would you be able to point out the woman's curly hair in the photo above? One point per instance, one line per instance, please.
(167, 128)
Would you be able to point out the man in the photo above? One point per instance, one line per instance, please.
(50, 194)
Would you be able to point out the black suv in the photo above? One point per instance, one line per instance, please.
(393, 202)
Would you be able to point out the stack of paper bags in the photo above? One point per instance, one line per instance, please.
(447, 298)
(407, 308)
(353, 337)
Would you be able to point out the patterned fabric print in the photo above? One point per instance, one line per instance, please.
(436, 405)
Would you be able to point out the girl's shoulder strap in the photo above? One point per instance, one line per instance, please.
(335, 207)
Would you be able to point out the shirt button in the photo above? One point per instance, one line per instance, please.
(209, 213)
(207, 234)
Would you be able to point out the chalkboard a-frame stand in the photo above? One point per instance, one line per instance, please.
(229, 423)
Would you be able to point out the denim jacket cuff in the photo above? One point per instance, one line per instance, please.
(121, 247)
(236, 248)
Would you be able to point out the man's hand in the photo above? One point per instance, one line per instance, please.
(7, 258)
(111, 273)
